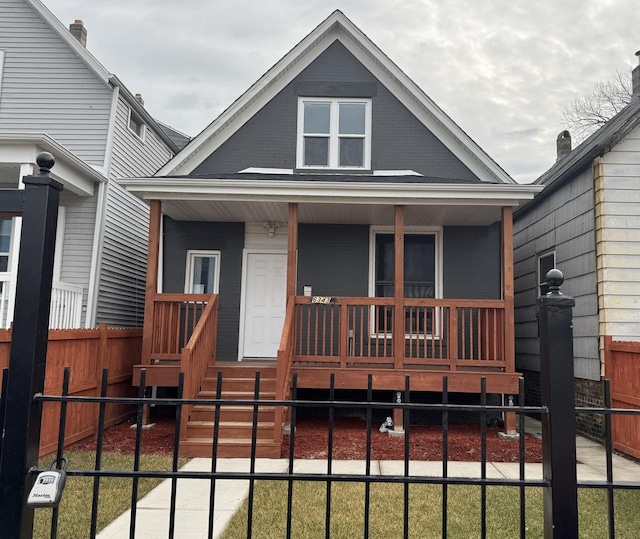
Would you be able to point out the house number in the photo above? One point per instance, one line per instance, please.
(321, 299)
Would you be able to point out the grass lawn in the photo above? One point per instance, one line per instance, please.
(425, 505)
(115, 493)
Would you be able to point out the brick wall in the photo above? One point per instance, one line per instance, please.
(588, 393)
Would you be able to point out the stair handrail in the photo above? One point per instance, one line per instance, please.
(284, 366)
(198, 354)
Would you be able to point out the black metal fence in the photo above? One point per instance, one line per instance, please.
(369, 409)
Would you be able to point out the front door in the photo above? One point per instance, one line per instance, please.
(264, 304)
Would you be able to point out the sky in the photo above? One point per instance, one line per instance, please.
(501, 69)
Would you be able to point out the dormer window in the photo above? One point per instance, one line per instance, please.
(136, 125)
(334, 133)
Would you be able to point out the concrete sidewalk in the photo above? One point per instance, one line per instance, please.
(192, 515)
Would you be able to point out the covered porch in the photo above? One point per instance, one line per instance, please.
(413, 329)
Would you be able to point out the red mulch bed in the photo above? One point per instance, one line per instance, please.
(349, 441)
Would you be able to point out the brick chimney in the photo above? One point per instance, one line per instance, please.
(635, 79)
(78, 31)
(563, 144)
(139, 99)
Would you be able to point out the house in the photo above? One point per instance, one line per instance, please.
(55, 96)
(334, 220)
(585, 222)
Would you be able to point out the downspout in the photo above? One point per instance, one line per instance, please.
(599, 199)
(101, 207)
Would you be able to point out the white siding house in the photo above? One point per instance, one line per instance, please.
(55, 96)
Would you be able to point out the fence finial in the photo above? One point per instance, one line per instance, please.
(45, 161)
(554, 278)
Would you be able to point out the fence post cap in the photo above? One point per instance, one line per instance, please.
(45, 161)
(554, 279)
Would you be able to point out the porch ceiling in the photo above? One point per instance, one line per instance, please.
(331, 213)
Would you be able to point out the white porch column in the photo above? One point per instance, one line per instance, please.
(26, 169)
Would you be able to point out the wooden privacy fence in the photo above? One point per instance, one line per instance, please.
(86, 352)
(622, 364)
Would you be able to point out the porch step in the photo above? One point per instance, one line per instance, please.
(236, 421)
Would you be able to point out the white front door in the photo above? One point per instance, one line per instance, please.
(265, 304)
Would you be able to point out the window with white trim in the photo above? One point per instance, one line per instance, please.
(1, 69)
(202, 274)
(136, 125)
(334, 133)
(546, 262)
(422, 275)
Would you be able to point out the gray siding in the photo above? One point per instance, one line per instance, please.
(564, 221)
(78, 241)
(472, 260)
(333, 259)
(124, 246)
(228, 238)
(399, 140)
(47, 88)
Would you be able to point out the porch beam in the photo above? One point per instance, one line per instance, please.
(151, 289)
(398, 290)
(507, 296)
(292, 250)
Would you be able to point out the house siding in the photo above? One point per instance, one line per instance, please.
(124, 245)
(618, 239)
(46, 88)
(399, 140)
(80, 217)
(563, 221)
(228, 238)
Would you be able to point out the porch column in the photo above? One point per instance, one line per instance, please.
(151, 289)
(507, 296)
(292, 250)
(26, 169)
(398, 290)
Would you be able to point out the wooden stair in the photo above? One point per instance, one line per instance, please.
(236, 422)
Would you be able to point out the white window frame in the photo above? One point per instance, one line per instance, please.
(138, 120)
(188, 274)
(541, 277)
(435, 231)
(334, 136)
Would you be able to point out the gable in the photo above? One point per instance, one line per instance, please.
(337, 26)
(399, 141)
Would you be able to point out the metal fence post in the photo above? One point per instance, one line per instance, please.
(28, 349)
(559, 425)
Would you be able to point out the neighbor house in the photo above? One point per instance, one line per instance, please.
(334, 220)
(55, 96)
(586, 222)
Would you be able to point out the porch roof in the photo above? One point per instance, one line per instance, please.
(326, 199)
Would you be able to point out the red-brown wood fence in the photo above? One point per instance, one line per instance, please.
(622, 364)
(86, 352)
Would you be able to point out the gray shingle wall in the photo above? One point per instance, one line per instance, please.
(228, 238)
(399, 140)
(564, 221)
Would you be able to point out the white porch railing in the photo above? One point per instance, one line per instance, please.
(66, 304)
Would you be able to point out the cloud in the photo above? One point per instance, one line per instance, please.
(502, 69)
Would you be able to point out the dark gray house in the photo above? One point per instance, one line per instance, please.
(586, 222)
(343, 223)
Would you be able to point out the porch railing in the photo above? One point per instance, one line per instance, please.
(174, 320)
(198, 354)
(283, 367)
(66, 304)
(438, 333)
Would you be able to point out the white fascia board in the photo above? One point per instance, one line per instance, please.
(64, 33)
(333, 192)
(337, 26)
(76, 175)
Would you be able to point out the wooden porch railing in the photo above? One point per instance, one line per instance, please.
(197, 355)
(174, 320)
(284, 366)
(438, 333)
